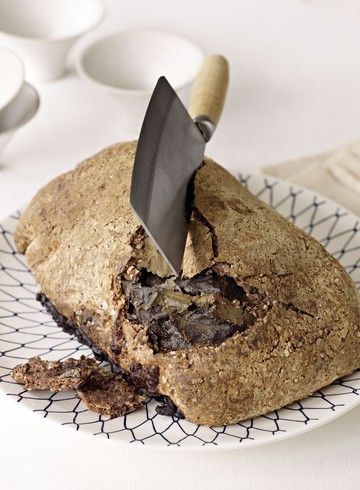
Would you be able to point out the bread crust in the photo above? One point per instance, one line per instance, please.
(79, 233)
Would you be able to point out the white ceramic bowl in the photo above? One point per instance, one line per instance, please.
(42, 31)
(128, 64)
(18, 112)
(11, 78)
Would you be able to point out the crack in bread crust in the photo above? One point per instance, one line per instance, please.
(198, 215)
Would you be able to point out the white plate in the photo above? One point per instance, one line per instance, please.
(11, 78)
(26, 330)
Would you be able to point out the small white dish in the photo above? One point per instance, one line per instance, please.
(12, 76)
(18, 112)
(42, 31)
(128, 64)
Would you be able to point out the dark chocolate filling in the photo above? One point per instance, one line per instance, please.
(180, 313)
(146, 378)
(72, 329)
(167, 407)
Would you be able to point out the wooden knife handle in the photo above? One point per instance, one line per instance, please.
(209, 89)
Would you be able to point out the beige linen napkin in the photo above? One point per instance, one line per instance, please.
(334, 174)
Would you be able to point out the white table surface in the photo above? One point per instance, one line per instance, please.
(295, 89)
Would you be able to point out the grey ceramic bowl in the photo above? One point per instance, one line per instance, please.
(18, 112)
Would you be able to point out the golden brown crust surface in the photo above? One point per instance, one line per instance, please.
(79, 233)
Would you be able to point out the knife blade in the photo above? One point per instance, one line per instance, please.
(170, 149)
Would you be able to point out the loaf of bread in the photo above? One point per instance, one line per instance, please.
(261, 315)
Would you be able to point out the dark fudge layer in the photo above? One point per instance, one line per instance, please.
(181, 313)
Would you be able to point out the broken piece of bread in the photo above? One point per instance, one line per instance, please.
(109, 394)
(39, 374)
(102, 391)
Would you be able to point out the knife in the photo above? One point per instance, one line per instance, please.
(170, 149)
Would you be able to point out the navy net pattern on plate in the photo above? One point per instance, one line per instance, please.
(26, 330)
